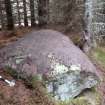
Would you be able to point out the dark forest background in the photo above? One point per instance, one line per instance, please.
(32, 13)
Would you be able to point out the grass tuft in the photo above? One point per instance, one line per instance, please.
(76, 101)
(100, 54)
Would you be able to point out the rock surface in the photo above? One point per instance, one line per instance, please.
(65, 82)
(30, 54)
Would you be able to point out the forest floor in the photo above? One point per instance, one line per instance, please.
(20, 94)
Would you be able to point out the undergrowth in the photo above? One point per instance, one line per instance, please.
(99, 55)
(77, 101)
(29, 81)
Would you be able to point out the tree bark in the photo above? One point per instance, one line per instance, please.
(43, 11)
(95, 21)
(1, 16)
(25, 13)
(19, 18)
(32, 10)
(10, 23)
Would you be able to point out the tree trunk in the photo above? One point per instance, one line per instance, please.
(1, 16)
(32, 13)
(19, 18)
(43, 11)
(25, 13)
(95, 21)
(10, 23)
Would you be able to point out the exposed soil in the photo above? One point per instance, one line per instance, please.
(22, 95)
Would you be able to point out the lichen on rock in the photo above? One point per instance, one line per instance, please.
(66, 82)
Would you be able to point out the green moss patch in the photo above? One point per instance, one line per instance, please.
(77, 101)
(99, 55)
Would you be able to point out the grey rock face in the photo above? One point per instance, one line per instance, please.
(65, 82)
(39, 44)
(70, 85)
(30, 55)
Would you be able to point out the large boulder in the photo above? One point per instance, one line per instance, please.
(52, 53)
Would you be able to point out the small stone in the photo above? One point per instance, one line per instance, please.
(10, 83)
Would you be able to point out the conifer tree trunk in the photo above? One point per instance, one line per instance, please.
(10, 23)
(43, 11)
(18, 12)
(1, 16)
(32, 10)
(25, 13)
